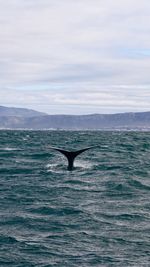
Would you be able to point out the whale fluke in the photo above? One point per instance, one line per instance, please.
(71, 155)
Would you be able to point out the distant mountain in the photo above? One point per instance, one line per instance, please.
(15, 118)
(23, 112)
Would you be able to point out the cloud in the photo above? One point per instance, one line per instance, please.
(72, 47)
(102, 100)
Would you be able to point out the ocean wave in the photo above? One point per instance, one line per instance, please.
(97, 214)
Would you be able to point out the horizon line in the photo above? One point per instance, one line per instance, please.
(69, 114)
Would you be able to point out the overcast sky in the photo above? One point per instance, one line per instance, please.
(75, 56)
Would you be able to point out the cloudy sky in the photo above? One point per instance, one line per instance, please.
(75, 57)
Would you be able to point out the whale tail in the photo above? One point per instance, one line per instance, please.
(71, 155)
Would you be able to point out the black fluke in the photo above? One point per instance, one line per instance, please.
(71, 155)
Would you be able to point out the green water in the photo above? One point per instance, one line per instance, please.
(96, 215)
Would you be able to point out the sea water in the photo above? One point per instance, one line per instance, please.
(96, 215)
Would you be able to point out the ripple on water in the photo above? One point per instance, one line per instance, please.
(96, 215)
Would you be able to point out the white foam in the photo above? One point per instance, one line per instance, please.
(55, 167)
(61, 168)
(9, 149)
(83, 164)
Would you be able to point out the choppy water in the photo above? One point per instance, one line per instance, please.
(97, 215)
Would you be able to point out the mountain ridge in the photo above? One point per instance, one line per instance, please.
(24, 112)
(18, 118)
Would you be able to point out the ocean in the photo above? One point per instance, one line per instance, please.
(96, 215)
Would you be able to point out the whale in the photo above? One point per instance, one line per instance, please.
(71, 155)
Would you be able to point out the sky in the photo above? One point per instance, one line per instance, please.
(75, 57)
